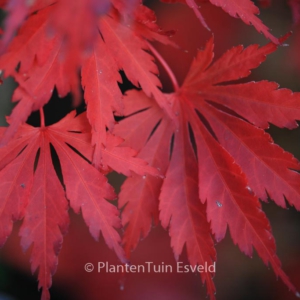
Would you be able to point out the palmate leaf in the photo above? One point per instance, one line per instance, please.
(42, 68)
(18, 11)
(220, 160)
(38, 196)
(62, 18)
(246, 10)
(216, 158)
(138, 195)
(47, 61)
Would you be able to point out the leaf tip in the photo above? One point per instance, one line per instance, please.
(284, 38)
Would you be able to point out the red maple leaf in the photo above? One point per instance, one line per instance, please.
(243, 9)
(18, 11)
(37, 195)
(215, 155)
(45, 64)
(77, 37)
(217, 163)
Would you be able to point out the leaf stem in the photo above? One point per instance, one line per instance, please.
(42, 118)
(165, 66)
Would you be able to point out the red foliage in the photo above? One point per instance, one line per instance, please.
(197, 160)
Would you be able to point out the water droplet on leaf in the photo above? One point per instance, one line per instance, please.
(219, 204)
(249, 190)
